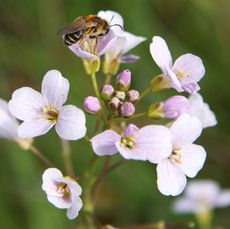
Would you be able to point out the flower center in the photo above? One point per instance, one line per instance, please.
(50, 113)
(63, 189)
(176, 156)
(181, 74)
(128, 142)
(90, 45)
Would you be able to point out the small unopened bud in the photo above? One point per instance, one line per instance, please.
(91, 105)
(127, 109)
(156, 111)
(124, 80)
(120, 95)
(114, 104)
(133, 96)
(175, 106)
(107, 91)
(160, 83)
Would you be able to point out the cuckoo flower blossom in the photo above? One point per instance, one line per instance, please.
(41, 111)
(186, 158)
(202, 196)
(201, 110)
(183, 75)
(123, 43)
(152, 142)
(9, 126)
(62, 192)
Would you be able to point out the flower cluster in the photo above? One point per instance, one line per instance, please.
(169, 146)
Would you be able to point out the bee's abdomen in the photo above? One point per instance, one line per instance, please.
(72, 38)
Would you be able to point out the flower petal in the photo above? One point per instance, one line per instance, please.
(77, 204)
(104, 143)
(191, 87)
(160, 53)
(113, 18)
(60, 202)
(131, 154)
(184, 205)
(50, 179)
(8, 123)
(192, 159)
(30, 129)
(201, 110)
(132, 41)
(26, 104)
(174, 82)
(55, 88)
(155, 142)
(191, 66)
(127, 59)
(223, 199)
(106, 42)
(76, 49)
(185, 129)
(71, 123)
(170, 179)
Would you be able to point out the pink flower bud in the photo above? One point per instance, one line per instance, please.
(133, 96)
(91, 105)
(120, 95)
(124, 80)
(114, 104)
(175, 106)
(107, 91)
(127, 109)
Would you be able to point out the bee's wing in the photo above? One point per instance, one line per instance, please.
(78, 24)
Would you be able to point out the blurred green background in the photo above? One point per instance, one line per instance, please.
(29, 47)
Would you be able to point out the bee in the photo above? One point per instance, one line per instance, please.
(84, 27)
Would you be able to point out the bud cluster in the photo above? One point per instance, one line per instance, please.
(120, 99)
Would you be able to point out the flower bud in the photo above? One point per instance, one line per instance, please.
(120, 95)
(107, 91)
(133, 96)
(91, 105)
(171, 108)
(159, 83)
(156, 111)
(124, 80)
(114, 104)
(127, 109)
(175, 106)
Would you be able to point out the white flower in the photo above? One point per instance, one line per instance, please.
(201, 110)
(9, 126)
(151, 143)
(202, 196)
(186, 158)
(124, 42)
(41, 111)
(62, 192)
(184, 74)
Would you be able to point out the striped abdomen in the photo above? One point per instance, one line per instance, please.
(72, 38)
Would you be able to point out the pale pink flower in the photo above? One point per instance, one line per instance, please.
(200, 109)
(62, 192)
(124, 41)
(152, 143)
(186, 158)
(92, 105)
(41, 111)
(184, 74)
(9, 126)
(127, 109)
(201, 196)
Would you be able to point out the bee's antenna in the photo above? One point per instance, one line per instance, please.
(117, 25)
(111, 19)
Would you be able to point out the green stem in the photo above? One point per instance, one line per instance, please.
(66, 153)
(40, 155)
(95, 86)
(144, 93)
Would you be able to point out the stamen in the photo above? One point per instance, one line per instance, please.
(181, 74)
(128, 142)
(50, 113)
(176, 156)
(63, 189)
